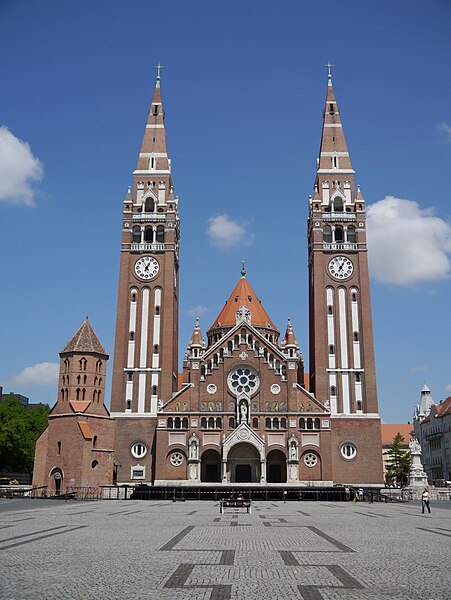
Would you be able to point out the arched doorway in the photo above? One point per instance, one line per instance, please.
(56, 480)
(211, 466)
(243, 464)
(276, 467)
(310, 466)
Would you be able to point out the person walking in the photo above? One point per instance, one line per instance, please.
(425, 498)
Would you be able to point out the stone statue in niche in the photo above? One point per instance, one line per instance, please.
(193, 448)
(293, 451)
(243, 412)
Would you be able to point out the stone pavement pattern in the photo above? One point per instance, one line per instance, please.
(188, 551)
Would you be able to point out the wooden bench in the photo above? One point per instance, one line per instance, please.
(235, 503)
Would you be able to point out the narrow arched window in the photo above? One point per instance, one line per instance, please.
(150, 204)
(268, 423)
(160, 234)
(283, 423)
(128, 404)
(327, 234)
(203, 423)
(309, 423)
(219, 423)
(94, 396)
(333, 390)
(338, 205)
(275, 423)
(211, 423)
(136, 234)
(77, 396)
(351, 235)
(232, 423)
(178, 423)
(339, 234)
(255, 423)
(185, 423)
(59, 447)
(302, 423)
(317, 424)
(94, 441)
(148, 235)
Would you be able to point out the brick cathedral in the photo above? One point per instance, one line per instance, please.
(242, 410)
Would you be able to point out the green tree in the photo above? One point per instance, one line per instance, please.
(19, 429)
(398, 463)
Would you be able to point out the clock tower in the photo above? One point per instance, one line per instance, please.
(342, 369)
(146, 346)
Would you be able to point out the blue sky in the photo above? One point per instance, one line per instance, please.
(243, 89)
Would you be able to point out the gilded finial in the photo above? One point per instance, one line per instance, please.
(243, 270)
(158, 67)
(329, 72)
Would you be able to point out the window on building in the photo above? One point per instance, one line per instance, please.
(160, 234)
(149, 205)
(351, 235)
(148, 235)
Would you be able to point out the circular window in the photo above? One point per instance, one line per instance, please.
(310, 459)
(243, 379)
(176, 459)
(139, 450)
(211, 388)
(348, 451)
(275, 388)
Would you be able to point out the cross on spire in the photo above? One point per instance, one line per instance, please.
(243, 270)
(329, 72)
(158, 67)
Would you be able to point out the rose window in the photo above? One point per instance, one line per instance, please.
(176, 459)
(243, 379)
(310, 459)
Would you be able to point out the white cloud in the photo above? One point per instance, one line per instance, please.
(448, 388)
(40, 374)
(224, 232)
(445, 129)
(407, 244)
(197, 311)
(419, 369)
(18, 169)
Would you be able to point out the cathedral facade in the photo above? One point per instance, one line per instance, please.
(243, 411)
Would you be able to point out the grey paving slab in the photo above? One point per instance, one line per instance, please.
(187, 551)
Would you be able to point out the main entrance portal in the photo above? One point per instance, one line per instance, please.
(243, 464)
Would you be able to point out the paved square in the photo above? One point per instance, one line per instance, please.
(163, 550)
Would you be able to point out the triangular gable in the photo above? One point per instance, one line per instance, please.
(231, 333)
(303, 394)
(79, 406)
(177, 395)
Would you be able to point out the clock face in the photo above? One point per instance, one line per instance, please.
(341, 267)
(147, 267)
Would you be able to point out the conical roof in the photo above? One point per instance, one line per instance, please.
(196, 338)
(85, 340)
(289, 338)
(154, 143)
(243, 295)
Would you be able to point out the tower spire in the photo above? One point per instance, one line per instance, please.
(243, 270)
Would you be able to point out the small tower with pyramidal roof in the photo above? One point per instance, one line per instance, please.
(76, 449)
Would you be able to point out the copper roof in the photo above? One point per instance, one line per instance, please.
(444, 408)
(85, 429)
(85, 340)
(243, 295)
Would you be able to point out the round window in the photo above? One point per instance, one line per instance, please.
(139, 450)
(310, 459)
(243, 379)
(176, 459)
(348, 451)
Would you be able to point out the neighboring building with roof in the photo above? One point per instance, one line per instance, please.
(432, 423)
(76, 449)
(388, 433)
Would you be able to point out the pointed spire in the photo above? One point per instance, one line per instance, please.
(334, 155)
(196, 337)
(85, 340)
(289, 338)
(153, 156)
